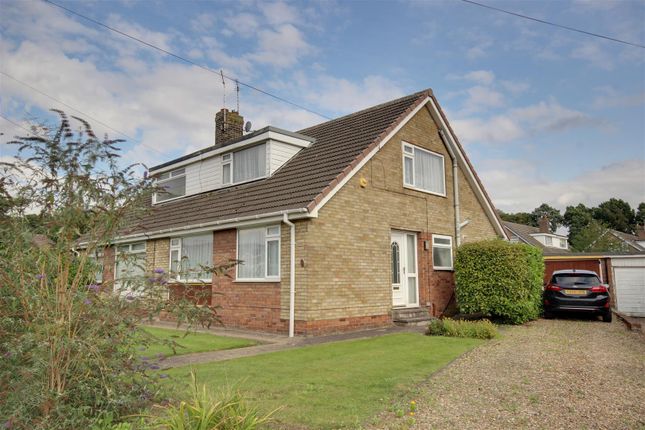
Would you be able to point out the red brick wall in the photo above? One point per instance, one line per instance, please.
(251, 305)
(436, 287)
(320, 327)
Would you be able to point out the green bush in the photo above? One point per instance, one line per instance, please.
(500, 280)
(483, 329)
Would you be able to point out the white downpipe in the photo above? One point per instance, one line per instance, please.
(455, 187)
(292, 275)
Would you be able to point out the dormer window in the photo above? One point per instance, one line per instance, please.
(173, 184)
(245, 165)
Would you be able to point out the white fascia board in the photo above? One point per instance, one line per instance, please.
(369, 156)
(266, 136)
(246, 221)
(436, 115)
(557, 236)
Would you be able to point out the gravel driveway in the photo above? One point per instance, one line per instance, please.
(548, 374)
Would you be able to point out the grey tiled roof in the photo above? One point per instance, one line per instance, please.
(298, 184)
(524, 233)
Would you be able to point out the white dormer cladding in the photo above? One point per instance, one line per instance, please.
(231, 164)
(551, 240)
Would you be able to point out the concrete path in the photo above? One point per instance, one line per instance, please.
(267, 343)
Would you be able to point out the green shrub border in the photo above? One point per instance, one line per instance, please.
(483, 329)
(500, 280)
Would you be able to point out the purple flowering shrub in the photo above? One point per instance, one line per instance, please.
(69, 346)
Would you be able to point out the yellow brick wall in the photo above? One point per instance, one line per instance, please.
(158, 254)
(347, 249)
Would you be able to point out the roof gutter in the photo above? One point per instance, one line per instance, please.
(217, 225)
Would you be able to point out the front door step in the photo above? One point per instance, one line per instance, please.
(410, 316)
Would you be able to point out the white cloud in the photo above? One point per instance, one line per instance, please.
(530, 188)
(594, 54)
(609, 97)
(281, 47)
(545, 116)
(342, 95)
(279, 13)
(484, 77)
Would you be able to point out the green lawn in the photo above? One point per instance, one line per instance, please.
(337, 384)
(193, 342)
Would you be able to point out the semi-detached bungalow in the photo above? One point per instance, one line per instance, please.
(349, 224)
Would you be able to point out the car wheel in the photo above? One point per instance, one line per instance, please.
(606, 317)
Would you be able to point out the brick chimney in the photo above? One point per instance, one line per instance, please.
(543, 223)
(640, 231)
(229, 125)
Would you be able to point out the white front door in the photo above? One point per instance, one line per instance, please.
(405, 291)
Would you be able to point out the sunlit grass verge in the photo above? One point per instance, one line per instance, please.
(191, 342)
(341, 384)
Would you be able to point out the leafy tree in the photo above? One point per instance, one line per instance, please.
(616, 214)
(68, 347)
(640, 213)
(519, 218)
(596, 237)
(555, 217)
(576, 218)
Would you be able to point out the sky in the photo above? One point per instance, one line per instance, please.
(545, 114)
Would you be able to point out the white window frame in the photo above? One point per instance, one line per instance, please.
(275, 237)
(410, 155)
(99, 259)
(548, 241)
(231, 161)
(129, 251)
(444, 246)
(563, 243)
(177, 247)
(227, 160)
(173, 174)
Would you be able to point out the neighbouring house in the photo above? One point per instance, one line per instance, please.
(629, 242)
(540, 237)
(349, 224)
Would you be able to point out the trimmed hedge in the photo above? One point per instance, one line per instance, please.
(500, 279)
(483, 329)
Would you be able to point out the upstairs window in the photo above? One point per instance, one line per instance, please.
(244, 165)
(173, 185)
(190, 255)
(423, 170)
(563, 243)
(258, 250)
(548, 240)
(249, 164)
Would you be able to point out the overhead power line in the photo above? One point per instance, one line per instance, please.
(85, 114)
(19, 125)
(565, 27)
(184, 59)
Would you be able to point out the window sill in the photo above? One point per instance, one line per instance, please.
(421, 190)
(256, 281)
(443, 269)
(155, 202)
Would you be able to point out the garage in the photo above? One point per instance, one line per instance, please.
(629, 284)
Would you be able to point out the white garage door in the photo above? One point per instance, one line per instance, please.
(630, 290)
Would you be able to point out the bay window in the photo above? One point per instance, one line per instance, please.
(423, 170)
(172, 185)
(190, 256)
(258, 250)
(441, 252)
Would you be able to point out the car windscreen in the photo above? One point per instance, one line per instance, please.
(575, 279)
